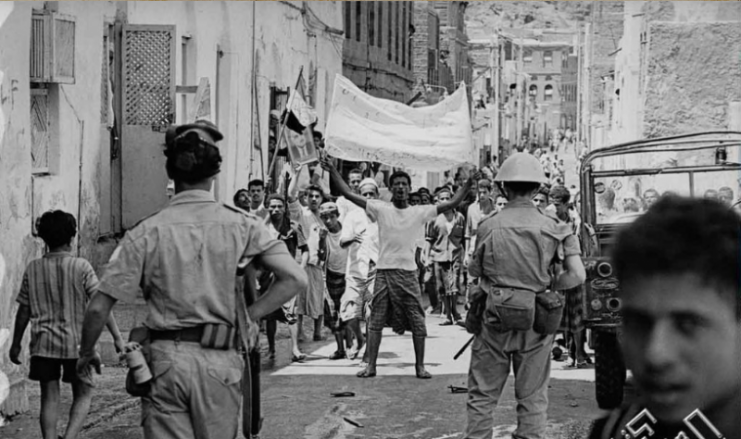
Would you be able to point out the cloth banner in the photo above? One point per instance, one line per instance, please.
(432, 138)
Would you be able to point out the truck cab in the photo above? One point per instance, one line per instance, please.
(617, 185)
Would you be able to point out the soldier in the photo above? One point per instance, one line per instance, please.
(514, 250)
(185, 260)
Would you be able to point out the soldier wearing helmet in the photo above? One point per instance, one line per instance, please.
(185, 259)
(514, 250)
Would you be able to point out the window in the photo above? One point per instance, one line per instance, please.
(548, 93)
(379, 40)
(40, 130)
(548, 58)
(358, 14)
(549, 78)
(390, 31)
(371, 23)
(403, 32)
(527, 56)
(397, 13)
(348, 18)
(52, 51)
(533, 91)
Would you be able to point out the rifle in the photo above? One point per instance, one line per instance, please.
(251, 416)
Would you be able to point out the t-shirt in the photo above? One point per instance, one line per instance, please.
(337, 258)
(398, 231)
(345, 206)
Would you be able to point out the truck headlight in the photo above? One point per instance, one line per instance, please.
(596, 304)
(604, 269)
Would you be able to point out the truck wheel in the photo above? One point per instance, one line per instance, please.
(609, 371)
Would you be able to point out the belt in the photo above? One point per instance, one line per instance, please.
(188, 334)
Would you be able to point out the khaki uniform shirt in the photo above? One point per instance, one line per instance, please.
(184, 260)
(516, 247)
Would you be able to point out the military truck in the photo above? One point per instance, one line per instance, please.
(619, 183)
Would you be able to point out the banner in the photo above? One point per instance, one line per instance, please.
(432, 138)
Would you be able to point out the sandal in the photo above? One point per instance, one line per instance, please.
(424, 375)
(366, 374)
(447, 323)
(298, 359)
(338, 355)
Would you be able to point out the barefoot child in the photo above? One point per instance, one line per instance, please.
(53, 297)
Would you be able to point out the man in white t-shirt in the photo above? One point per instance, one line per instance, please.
(360, 236)
(397, 297)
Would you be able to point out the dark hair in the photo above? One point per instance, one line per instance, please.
(560, 193)
(356, 171)
(544, 190)
(680, 235)
(485, 182)
(56, 228)
(520, 188)
(278, 197)
(236, 195)
(442, 189)
(423, 190)
(316, 188)
(256, 182)
(399, 174)
(415, 194)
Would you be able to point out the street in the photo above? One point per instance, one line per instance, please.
(297, 403)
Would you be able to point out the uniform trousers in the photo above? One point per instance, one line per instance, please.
(195, 392)
(492, 353)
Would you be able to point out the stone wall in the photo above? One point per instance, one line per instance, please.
(694, 70)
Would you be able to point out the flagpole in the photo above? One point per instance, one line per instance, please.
(283, 127)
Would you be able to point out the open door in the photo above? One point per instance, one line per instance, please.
(148, 108)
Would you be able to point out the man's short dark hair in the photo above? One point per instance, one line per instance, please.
(238, 193)
(278, 197)
(485, 183)
(400, 174)
(316, 188)
(423, 190)
(560, 193)
(680, 235)
(256, 182)
(56, 228)
(356, 171)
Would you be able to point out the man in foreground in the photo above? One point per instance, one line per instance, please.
(397, 297)
(678, 268)
(185, 260)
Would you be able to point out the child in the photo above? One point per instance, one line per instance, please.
(53, 297)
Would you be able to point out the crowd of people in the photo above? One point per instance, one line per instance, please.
(502, 241)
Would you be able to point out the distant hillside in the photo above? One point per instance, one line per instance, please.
(483, 17)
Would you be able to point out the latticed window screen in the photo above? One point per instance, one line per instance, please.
(39, 130)
(148, 75)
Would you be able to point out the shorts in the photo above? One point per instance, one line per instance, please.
(358, 293)
(446, 274)
(50, 369)
(335, 290)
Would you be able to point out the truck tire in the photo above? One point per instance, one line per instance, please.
(609, 370)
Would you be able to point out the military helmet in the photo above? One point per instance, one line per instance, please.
(521, 167)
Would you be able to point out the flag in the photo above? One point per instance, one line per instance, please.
(296, 123)
(433, 138)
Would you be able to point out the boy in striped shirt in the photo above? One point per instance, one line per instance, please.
(53, 297)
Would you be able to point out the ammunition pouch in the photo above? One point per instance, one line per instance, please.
(548, 312)
(509, 309)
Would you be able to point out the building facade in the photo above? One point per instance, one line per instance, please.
(83, 130)
(569, 91)
(454, 43)
(377, 50)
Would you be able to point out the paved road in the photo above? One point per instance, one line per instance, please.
(395, 404)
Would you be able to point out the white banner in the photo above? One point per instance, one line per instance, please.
(364, 128)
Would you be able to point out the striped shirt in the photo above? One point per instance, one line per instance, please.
(57, 289)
